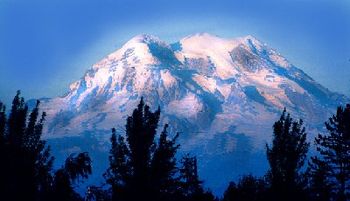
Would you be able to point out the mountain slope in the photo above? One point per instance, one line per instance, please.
(222, 95)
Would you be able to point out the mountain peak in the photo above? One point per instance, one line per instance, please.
(209, 41)
(202, 38)
(252, 42)
(251, 37)
(223, 94)
(201, 35)
(145, 38)
(137, 48)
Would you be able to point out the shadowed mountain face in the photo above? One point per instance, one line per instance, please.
(221, 95)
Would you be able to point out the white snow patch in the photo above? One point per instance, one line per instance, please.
(217, 49)
(279, 60)
(167, 78)
(208, 84)
(188, 107)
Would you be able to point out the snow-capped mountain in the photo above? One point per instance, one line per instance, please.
(222, 95)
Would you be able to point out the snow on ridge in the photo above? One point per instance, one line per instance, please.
(219, 93)
(136, 47)
(187, 107)
(208, 84)
(211, 47)
(203, 43)
(260, 47)
(146, 38)
(167, 78)
(135, 70)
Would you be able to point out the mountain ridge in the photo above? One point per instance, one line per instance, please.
(223, 95)
(245, 56)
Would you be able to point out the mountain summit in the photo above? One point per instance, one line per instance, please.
(222, 95)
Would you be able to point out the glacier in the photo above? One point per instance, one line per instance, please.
(221, 95)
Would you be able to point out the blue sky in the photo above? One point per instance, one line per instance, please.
(45, 45)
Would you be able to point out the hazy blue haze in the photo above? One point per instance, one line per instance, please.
(45, 45)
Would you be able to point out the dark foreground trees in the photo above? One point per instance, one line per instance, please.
(25, 160)
(330, 170)
(75, 167)
(143, 168)
(248, 188)
(327, 177)
(286, 157)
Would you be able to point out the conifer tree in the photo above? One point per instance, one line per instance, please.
(231, 193)
(17, 122)
(26, 160)
(129, 172)
(75, 167)
(163, 167)
(143, 168)
(334, 149)
(141, 128)
(191, 185)
(249, 188)
(319, 184)
(286, 157)
(95, 193)
(119, 172)
(2, 124)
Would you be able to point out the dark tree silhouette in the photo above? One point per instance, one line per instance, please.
(286, 157)
(26, 161)
(249, 188)
(75, 167)
(95, 193)
(319, 184)
(141, 128)
(2, 124)
(143, 168)
(334, 150)
(231, 193)
(133, 160)
(191, 185)
(163, 167)
(118, 174)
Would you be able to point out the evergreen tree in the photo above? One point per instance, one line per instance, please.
(119, 172)
(75, 167)
(2, 124)
(3, 152)
(140, 132)
(191, 185)
(26, 160)
(334, 150)
(163, 167)
(142, 168)
(286, 157)
(249, 188)
(319, 184)
(95, 193)
(17, 122)
(231, 193)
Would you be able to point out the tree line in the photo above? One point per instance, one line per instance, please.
(144, 166)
